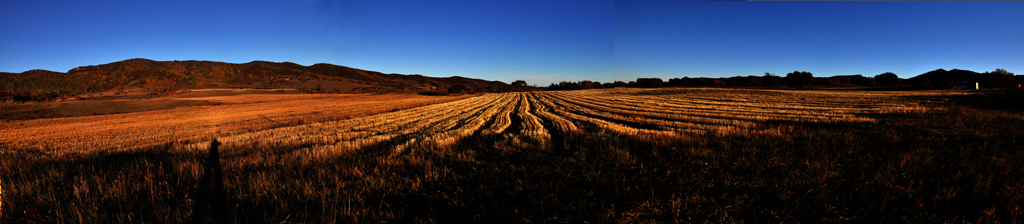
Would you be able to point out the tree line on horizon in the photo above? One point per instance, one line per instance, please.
(936, 79)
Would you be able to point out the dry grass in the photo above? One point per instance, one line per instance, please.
(200, 123)
(613, 155)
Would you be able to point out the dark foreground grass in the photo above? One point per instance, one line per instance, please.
(950, 165)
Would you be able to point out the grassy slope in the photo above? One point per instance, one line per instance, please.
(955, 164)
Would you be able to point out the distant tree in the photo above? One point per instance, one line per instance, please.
(704, 82)
(1002, 72)
(457, 89)
(999, 78)
(554, 87)
(771, 80)
(519, 83)
(716, 83)
(586, 84)
(742, 81)
(865, 81)
(648, 82)
(566, 85)
(799, 79)
(619, 84)
(681, 82)
(888, 79)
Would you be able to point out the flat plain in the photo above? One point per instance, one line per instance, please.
(622, 155)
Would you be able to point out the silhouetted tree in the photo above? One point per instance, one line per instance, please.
(569, 85)
(799, 79)
(519, 83)
(771, 80)
(619, 84)
(681, 82)
(998, 78)
(1003, 72)
(586, 84)
(742, 81)
(716, 83)
(888, 79)
(648, 82)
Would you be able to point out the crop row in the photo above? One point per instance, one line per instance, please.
(325, 125)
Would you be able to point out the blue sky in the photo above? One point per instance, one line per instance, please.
(538, 40)
(541, 41)
(723, 39)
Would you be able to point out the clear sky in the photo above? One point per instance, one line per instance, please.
(541, 41)
(722, 39)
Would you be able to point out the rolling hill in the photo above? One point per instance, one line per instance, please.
(156, 78)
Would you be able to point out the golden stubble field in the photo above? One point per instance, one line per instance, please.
(331, 123)
(609, 155)
(232, 114)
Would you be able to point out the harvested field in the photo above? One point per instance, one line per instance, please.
(231, 114)
(611, 155)
(630, 112)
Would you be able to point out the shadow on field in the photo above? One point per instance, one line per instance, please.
(902, 167)
(1009, 100)
(139, 186)
(433, 93)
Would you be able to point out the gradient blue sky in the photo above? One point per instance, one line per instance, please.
(539, 41)
(723, 39)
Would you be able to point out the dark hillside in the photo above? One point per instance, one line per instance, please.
(941, 79)
(166, 77)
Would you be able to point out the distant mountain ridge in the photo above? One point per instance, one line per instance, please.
(165, 77)
(943, 78)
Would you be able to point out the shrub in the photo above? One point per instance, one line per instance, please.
(888, 79)
(458, 89)
(799, 79)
